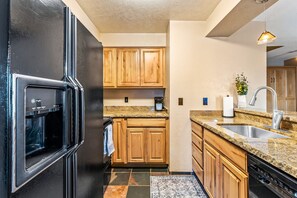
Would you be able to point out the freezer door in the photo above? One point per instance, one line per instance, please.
(37, 38)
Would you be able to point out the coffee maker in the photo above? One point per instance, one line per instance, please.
(159, 103)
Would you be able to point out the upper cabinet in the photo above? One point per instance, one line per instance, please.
(134, 67)
(109, 67)
(152, 68)
(128, 74)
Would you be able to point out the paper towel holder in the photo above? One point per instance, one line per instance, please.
(228, 111)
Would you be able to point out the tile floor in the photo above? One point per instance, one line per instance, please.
(131, 182)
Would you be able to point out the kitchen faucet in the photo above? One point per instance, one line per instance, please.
(277, 115)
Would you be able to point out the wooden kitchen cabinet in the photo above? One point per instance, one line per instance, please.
(225, 168)
(156, 145)
(134, 67)
(197, 150)
(234, 182)
(152, 67)
(119, 140)
(136, 144)
(128, 70)
(140, 140)
(109, 67)
(283, 81)
(211, 170)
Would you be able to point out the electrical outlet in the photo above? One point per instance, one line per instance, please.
(126, 99)
(205, 101)
(180, 101)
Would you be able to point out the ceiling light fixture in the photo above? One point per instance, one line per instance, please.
(266, 36)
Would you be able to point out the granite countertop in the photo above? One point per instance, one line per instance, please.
(282, 153)
(133, 112)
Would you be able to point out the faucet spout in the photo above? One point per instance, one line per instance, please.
(277, 115)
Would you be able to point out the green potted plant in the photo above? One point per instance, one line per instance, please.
(242, 88)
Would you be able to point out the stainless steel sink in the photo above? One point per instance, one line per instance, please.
(252, 132)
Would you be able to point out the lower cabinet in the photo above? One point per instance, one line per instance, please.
(140, 141)
(156, 139)
(223, 172)
(234, 181)
(211, 170)
(135, 145)
(146, 145)
(119, 140)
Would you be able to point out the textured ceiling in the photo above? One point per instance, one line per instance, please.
(144, 16)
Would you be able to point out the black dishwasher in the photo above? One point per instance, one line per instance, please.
(266, 181)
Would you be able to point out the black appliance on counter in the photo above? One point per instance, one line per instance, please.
(51, 132)
(268, 181)
(159, 103)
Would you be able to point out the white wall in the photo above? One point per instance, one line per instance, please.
(137, 97)
(206, 67)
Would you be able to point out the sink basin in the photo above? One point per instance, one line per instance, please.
(252, 132)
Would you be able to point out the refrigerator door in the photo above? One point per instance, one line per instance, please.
(89, 72)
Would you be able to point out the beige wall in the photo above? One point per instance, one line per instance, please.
(133, 39)
(138, 97)
(205, 67)
(82, 17)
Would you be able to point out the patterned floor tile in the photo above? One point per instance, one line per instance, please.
(139, 179)
(119, 178)
(116, 192)
(138, 192)
(176, 186)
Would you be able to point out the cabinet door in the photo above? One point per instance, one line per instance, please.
(233, 181)
(136, 146)
(128, 67)
(152, 67)
(211, 170)
(119, 139)
(156, 145)
(290, 89)
(109, 67)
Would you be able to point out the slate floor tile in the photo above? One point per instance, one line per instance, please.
(139, 179)
(116, 192)
(138, 192)
(119, 178)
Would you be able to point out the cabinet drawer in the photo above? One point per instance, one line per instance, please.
(197, 129)
(197, 154)
(146, 122)
(234, 153)
(197, 169)
(197, 141)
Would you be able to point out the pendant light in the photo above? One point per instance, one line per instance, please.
(266, 36)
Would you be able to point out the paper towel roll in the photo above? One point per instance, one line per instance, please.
(228, 110)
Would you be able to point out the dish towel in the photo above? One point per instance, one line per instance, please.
(110, 145)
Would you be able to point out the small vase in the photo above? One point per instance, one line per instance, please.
(241, 101)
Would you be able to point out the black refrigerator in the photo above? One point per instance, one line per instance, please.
(51, 103)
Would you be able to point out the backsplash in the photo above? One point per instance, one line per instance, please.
(136, 97)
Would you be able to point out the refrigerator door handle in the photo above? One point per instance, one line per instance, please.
(76, 110)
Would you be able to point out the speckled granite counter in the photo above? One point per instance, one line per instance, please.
(281, 153)
(133, 112)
